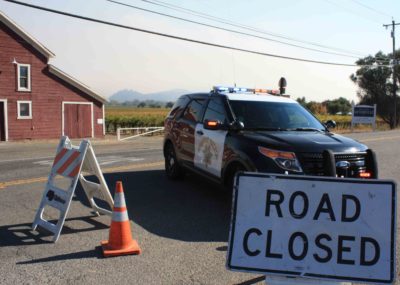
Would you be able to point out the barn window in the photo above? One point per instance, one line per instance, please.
(24, 109)
(24, 77)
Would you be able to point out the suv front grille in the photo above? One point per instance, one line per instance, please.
(312, 163)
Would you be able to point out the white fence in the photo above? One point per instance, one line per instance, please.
(137, 132)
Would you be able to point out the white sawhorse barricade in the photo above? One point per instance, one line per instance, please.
(70, 162)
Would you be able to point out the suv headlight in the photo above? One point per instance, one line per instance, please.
(284, 159)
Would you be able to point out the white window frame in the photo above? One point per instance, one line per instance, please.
(19, 109)
(5, 117)
(104, 121)
(19, 88)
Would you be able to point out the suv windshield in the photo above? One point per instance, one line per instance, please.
(274, 115)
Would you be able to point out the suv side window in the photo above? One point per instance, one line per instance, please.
(194, 110)
(215, 111)
(178, 107)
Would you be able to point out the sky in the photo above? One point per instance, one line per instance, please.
(109, 59)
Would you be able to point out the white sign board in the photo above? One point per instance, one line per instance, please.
(364, 114)
(325, 228)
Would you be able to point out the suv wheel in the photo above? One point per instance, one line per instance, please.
(172, 168)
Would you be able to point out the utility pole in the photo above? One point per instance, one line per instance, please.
(393, 24)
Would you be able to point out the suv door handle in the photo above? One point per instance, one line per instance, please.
(200, 133)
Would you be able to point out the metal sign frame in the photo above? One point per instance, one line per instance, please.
(368, 120)
(302, 273)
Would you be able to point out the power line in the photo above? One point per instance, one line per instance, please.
(370, 8)
(175, 37)
(227, 30)
(352, 11)
(234, 24)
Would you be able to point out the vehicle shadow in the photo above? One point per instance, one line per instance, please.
(189, 210)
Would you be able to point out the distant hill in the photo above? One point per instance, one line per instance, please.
(126, 95)
(132, 95)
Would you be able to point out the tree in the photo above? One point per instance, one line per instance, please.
(302, 101)
(169, 104)
(340, 105)
(314, 107)
(374, 79)
(141, 105)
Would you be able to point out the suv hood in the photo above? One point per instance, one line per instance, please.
(305, 141)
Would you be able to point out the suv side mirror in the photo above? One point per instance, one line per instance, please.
(330, 124)
(237, 125)
(212, 125)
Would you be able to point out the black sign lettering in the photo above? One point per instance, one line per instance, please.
(246, 239)
(53, 196)
(268, 252)
(50, 195)
(305, 205)
(304, 243)
(277, 203)
(342, 248)
(363, 111)
(324, 247)
(363, 259)
(357, 212)
(322, 209)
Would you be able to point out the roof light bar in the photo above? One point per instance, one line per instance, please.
(230, 89)
(246, 90)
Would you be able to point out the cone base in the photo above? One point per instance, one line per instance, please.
(133, 248)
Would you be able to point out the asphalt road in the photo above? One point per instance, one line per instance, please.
(182, 227)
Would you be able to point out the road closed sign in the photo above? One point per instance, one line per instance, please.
(325, 228)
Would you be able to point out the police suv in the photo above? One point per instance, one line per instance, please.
(235, 129)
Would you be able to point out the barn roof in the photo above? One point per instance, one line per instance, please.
(76, 83)
(27, 37)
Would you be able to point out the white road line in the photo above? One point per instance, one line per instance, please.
(125, 159)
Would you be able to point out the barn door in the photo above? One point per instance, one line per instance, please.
(2, 122)
(78, 120)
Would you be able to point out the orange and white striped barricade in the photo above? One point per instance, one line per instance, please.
(68, 163)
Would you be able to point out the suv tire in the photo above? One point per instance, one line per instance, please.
(172, 168)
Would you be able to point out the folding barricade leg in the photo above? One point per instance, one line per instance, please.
(92, 190)
(67, 163)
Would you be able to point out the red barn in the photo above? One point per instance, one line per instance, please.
(37, 100)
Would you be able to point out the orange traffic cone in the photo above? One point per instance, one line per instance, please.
(120, 240)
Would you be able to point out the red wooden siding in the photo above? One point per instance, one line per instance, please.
(47, 92)
(78, 120)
